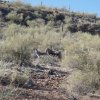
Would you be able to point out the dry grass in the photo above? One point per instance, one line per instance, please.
(81, 51)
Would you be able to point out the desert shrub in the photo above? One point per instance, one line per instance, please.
(13, 78)
(49, 60)
(18, 4)
(82, 51)
(17, 47)
(51, 38)
(82, 54)
(10, 75)
(40, 7)
(83, 83)
(7, 93)
(36, 23)
(4, 74)
(12, 15)
(3, 69)
(19, 79)
(83, 61)
(14, 29)
(98, 22)
(11, 30)
(50, 17)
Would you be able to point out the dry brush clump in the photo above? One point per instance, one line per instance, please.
(16, 45)
(83, 55)
(14, 17)
(9, 75)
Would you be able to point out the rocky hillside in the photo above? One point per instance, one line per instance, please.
(23, 14)
(48, 53)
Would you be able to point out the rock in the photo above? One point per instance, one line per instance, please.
(4, 80)
(52, 72)
(87, 27)
(29, 84)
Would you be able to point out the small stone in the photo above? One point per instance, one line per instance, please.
(29, 83)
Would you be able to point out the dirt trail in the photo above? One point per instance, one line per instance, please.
(44, 85)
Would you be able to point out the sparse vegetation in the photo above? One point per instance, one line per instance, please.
(29, 28)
